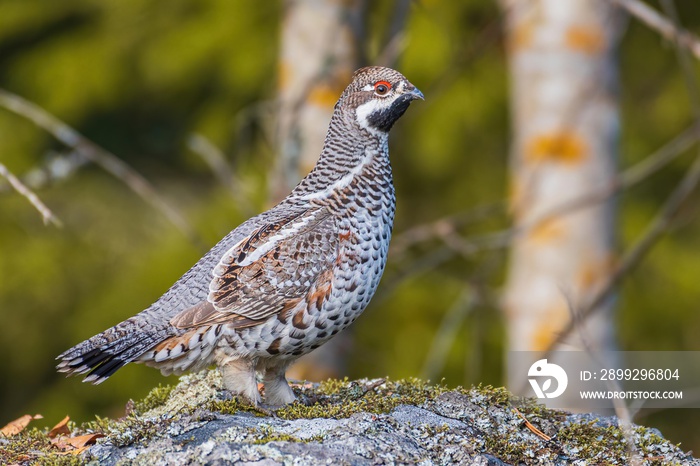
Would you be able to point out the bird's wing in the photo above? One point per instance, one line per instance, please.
(270, 270)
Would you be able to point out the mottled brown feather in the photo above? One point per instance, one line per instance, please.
(274, 284)
(206, 314)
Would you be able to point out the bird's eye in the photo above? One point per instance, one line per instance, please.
(382, 88)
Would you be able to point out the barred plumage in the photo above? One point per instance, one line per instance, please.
(285, 281)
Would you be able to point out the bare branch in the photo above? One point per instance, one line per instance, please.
(18, 186)
(105, 159)
(626, 179)
(623, 412)
(396, 37)
(661, 24)
(659, 225)
(683, 58)
(213, 157)
(444, 228)
(447, 333)
(216, 161)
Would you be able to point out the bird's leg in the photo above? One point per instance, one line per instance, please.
(277, 389)
(239, 379)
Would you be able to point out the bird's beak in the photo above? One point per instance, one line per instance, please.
(416, 94)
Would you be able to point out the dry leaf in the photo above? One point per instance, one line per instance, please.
(74, 445)
(60, 444)
(19, 424)
(83, 440)
(61, 428)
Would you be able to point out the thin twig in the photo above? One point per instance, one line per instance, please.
(636, 253)
(622, 410)
(661, 24)
(396, 37)
(442, 227)
(501, 239)
(18, 186)
(628, 178)
(56, 168)
(213, 157)
(532, 427)
(105, 159)
(447, 333)
(684, 59)
(216, 161)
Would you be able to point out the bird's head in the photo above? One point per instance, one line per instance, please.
(377, 97)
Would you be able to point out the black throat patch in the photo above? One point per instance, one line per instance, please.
(383, 120)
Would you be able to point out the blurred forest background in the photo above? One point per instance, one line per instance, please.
(191, 95)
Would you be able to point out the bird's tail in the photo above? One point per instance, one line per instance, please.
(102, 355)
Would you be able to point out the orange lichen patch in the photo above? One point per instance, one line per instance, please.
(588, 39)
(594, 272)
(547, 231)
(563, 146)
(543, 337)
(521, 36)
(323, 95)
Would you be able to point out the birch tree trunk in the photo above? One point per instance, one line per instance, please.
(320, 49)
(319, 52)
(563, 71)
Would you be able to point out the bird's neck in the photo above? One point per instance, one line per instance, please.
(347, 151)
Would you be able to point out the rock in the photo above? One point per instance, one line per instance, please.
(368, 422)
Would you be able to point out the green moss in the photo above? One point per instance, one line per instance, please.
(234, 406)
(491, 410)
(590, 440)
(100, 424)
(16, 449)
(341, 399)
(156, 397)
(267, 434)
(505, 449)
(134, 429)
(33, 446)
(333, 386)
(60, 460)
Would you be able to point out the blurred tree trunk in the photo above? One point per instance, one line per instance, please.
(320, 49)
(319, 52)
(563, 71)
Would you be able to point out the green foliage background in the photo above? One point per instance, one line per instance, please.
(139, 77)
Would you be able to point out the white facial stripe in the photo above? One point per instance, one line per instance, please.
(368, 87)
(369, 107)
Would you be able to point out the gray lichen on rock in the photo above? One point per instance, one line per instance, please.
(364, 422)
